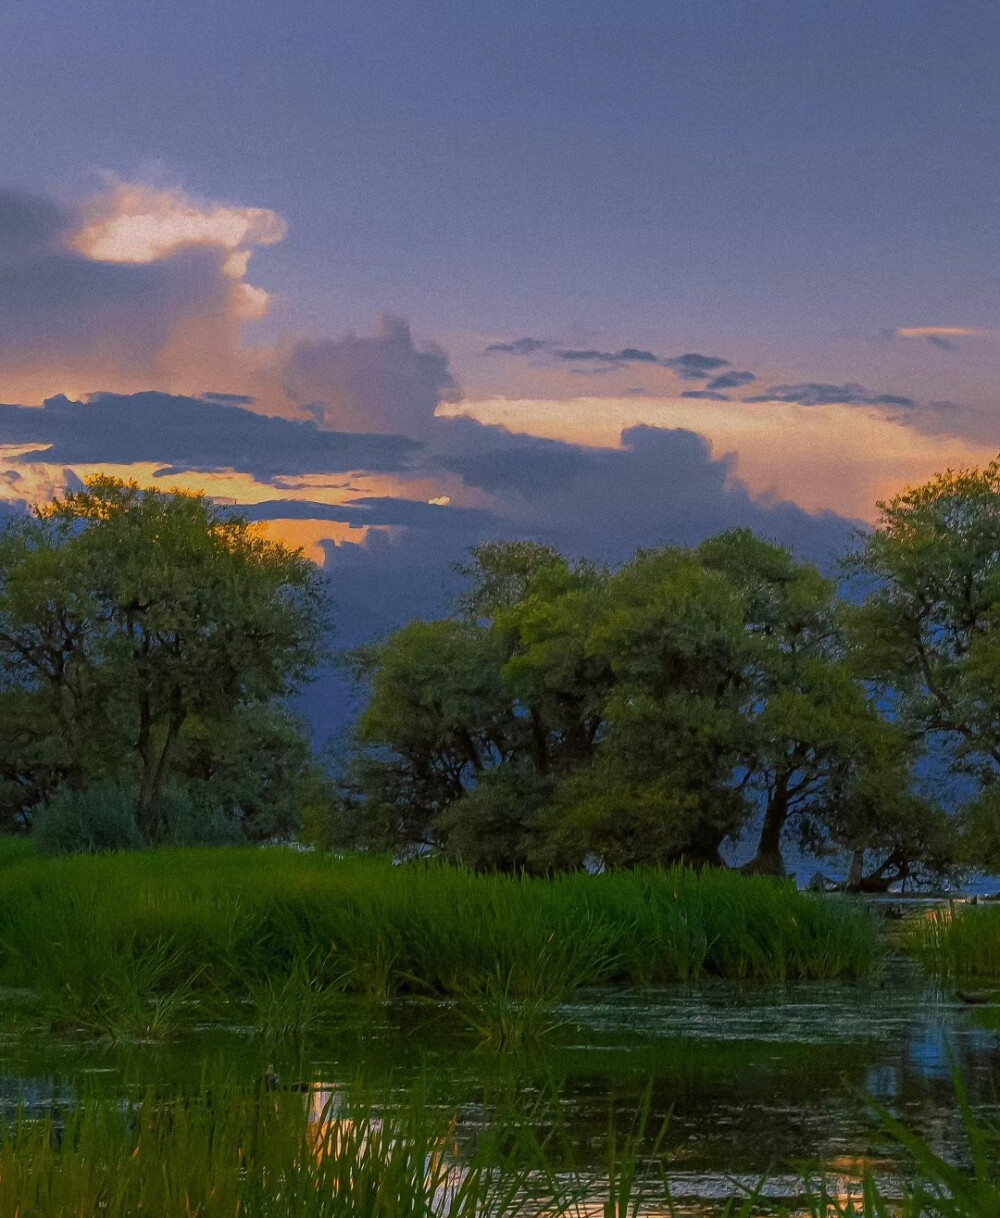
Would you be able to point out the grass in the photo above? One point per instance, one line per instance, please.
(958, 941)
(225, 1152)
(108, 938)
(230, 1154)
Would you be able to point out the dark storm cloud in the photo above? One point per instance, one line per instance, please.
(376, 511)
(661, 486)
(192, 434)
(627, 355)
(384, 383)
(813, 393)
(29, 227)
(228, 399)
(730, 380)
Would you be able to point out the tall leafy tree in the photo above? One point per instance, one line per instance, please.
(927, 634)
(129, 611)
(809, 732)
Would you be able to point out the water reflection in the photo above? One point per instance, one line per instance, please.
(749, 1080)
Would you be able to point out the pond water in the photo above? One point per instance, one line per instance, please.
(750, 1080)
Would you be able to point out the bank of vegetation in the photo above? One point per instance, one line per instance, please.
(958, 942)
(100, 937)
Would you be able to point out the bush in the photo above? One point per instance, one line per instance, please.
(186, 822)
(98, 819)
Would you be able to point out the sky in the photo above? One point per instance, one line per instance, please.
(400, 277)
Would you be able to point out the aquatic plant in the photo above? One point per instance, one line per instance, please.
(280, 928)
(957, 941)
(262, 1154)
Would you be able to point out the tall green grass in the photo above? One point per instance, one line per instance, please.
(230, 1154)
(958, 941)
(226, 1152)
(101, 933)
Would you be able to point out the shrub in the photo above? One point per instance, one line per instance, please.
(186, 822)
(98, 819)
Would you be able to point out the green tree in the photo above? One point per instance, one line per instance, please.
(927, 635)
(809, 731)
(128, 612)
(659, 787)
(437, 720)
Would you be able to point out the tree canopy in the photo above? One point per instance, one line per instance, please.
(142, 634)
(569, 713)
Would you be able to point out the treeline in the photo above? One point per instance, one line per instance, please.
(148, 641)
(567, 713)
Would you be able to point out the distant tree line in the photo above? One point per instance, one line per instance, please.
(568, 713)
(148, 642)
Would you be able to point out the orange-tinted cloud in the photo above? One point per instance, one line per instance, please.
(824, 458)
(146, 288)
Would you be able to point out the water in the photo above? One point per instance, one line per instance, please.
(749, 1080)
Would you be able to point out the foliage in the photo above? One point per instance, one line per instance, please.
(639, 716)
(128, 615)
(927, 634)
(99, 818)
(959, 941)
(253, 766)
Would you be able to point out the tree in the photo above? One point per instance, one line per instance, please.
(256, 765)
(437, 720)
(810, 732)
(127, 612)
(639, 716)
(927, 635)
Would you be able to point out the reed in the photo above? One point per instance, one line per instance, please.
(98, 934)
(958, 942)
(230, 1154)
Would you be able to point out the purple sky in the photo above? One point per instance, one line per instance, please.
(678, 265)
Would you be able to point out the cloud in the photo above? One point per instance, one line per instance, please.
(814, 393)
(151, 291)
(139, 224)
(730, 380)
(519, 346)
(376, 511)
(690, 366)
(188, 433)
(30, 227)
(695, 367)
(705, 395)
(941, 336)
(661, 486)
(383, 384)
(627, 355)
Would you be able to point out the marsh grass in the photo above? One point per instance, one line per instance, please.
(223, 1151)
(230, 1154)
(935, 1188)
(104, 934)
(957, 941)
(503, 1021)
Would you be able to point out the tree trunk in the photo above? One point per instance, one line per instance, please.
(856, 871)
(768, 859)
(154, 771)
